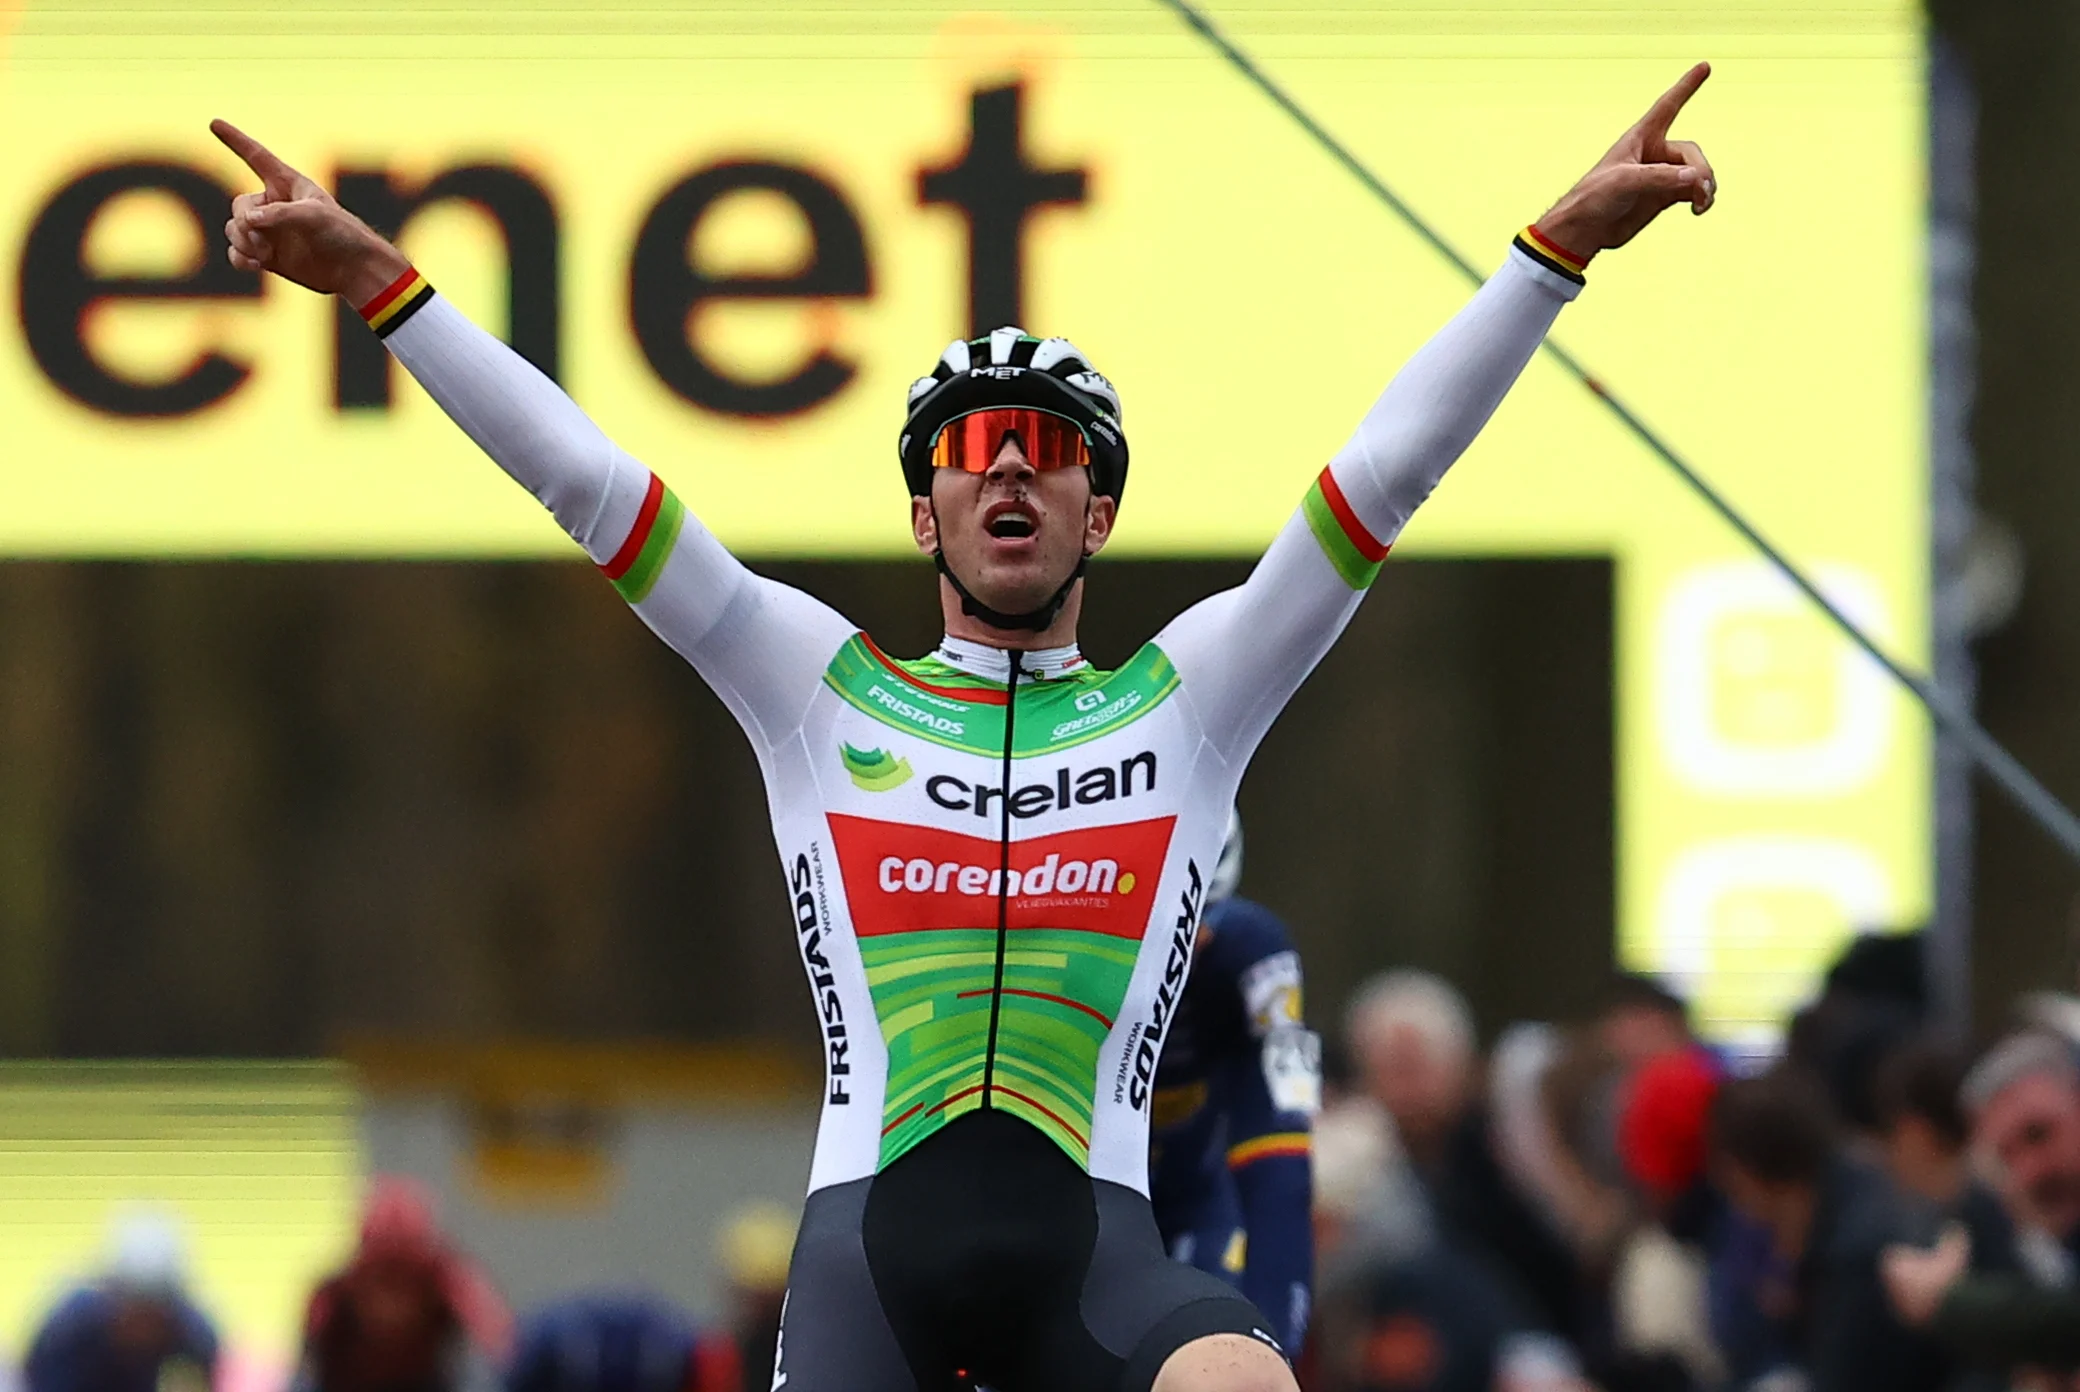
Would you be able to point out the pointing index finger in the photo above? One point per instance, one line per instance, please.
(1662, 114)
(258, 157)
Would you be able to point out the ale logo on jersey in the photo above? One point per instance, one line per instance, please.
(874, 770)
(902, 877)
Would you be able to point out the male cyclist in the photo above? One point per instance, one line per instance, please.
(1233, 1115)
(996, 856)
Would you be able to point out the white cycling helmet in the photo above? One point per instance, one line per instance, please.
(1010, 367)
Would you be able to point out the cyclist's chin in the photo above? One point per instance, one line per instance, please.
(1016, 583)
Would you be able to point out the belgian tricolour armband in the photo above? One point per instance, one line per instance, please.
(1550, 254)
(400, 300)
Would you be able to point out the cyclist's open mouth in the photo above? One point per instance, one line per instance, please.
(1012, 525)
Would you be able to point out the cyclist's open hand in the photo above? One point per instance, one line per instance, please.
(1644, 174)
(300, 232)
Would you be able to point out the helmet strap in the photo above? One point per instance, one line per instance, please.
(1032, 621)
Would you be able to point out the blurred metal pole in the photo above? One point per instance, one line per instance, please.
(1953, 119)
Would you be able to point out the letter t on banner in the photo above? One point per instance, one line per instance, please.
(996, 190)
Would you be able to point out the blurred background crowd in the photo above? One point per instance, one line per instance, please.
(1609, 1202)
(1601, 1202)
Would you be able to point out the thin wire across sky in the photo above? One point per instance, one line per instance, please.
(1951, 717)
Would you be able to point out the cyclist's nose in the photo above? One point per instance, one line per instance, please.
(1010, 465)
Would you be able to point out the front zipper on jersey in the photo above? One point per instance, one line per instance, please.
(996, 989)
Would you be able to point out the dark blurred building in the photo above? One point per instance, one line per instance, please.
(259, 808)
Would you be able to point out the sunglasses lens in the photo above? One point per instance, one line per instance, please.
(972, 442)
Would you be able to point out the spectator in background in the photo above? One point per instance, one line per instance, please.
(1881, 964)
(1368, 1204)
(1921, 1119)
(1660, 1298)
(620, 1343)
(1542, 1082)
(756, 1246)
(1775, 1153)
(1412, 1036)
(1641, 1020)
(1873, 1001)
(1662, 1125)
(1401, 1311)
(1435, 1323)
(132, 1329)
(407, 1313)
(2024, 1101)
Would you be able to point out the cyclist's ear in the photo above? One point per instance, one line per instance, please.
(1098, 516)
(924, 525)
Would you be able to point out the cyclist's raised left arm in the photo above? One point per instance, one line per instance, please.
(1245, 651)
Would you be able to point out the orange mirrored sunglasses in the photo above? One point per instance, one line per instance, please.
(971, 442)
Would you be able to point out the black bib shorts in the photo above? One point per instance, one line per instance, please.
(986, 1256)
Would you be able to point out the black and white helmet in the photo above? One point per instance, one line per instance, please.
(1009, 367)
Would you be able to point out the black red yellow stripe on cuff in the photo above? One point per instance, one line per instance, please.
(1264, 1147)
(1552, 255)
(398, 302)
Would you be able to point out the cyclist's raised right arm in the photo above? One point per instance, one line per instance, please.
(763, 646)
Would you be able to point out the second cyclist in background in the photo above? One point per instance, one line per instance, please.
(1236, 1093)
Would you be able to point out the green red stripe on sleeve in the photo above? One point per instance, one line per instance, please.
(636, 566)
(399, 301)
(1355, 552)
(1550, 254)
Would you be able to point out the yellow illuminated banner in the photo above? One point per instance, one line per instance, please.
(735, 234)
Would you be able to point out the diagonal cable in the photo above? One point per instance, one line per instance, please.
(2036, 801)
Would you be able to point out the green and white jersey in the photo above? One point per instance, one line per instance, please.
(996, 880)
(997, 895)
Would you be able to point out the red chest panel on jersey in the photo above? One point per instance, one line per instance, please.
(902, 878)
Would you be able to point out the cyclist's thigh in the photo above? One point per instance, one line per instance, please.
(833, 1334)
(1140, 1306)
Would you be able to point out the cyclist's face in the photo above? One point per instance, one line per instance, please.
(1012, 533)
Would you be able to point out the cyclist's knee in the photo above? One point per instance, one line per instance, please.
(1225, 1363)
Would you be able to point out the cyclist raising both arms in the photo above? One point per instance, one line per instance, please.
(996, 856)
